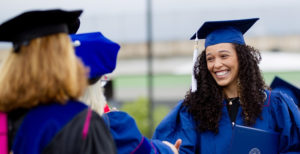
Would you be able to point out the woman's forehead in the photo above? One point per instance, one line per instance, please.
(219, 48)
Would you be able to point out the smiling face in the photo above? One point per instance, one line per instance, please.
(222, 63)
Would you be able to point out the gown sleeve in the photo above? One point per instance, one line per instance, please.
(178, 124)
(287, 117)
(128, 138)
(71, 138)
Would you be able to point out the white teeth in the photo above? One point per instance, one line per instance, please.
(221, 73)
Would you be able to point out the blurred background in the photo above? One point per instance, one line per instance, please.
(155, 61)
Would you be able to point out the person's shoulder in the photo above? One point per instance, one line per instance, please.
(118, 118)
(42, 123)
(278, 96)
(277, 99)
(178, 116)
(69, 106)
(85, 133)
(180, 107)
(179, 110)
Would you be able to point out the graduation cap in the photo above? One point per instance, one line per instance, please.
(215, 32)
(97, 53)
(33, 24)
(279, 84)
(228, 31)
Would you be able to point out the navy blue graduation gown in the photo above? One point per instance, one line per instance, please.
(279, 114)
(128, 138)
(55, 128)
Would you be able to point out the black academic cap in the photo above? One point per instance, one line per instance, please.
(228, 31)
(34, 24)
(279, 84)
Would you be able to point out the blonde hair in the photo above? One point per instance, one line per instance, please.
(44, 71)
(94, 97)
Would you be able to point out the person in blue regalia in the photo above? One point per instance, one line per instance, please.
(41, 81)
(229, 90)
(283, 86)
(99, 54)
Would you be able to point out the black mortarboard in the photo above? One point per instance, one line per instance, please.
(279, 84)
(33, 24)
(228, 31)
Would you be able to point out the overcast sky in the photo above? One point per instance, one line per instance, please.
(125, 20)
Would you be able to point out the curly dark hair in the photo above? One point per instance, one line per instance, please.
(205, 104)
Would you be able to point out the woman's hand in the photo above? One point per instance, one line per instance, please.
(175, 147)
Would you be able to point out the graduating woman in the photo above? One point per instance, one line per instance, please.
(229, 91)
(99, 54)
(41, 81)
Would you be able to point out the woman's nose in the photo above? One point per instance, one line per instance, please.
(218, 63)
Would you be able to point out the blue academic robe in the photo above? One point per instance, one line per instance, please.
(128, 138)
(56, 128)
(279, 114)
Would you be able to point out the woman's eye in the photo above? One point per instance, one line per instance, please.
(210, 59)
(224, 56)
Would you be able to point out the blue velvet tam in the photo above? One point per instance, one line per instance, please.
(228, 31)
(97, 52)
(279, 84)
